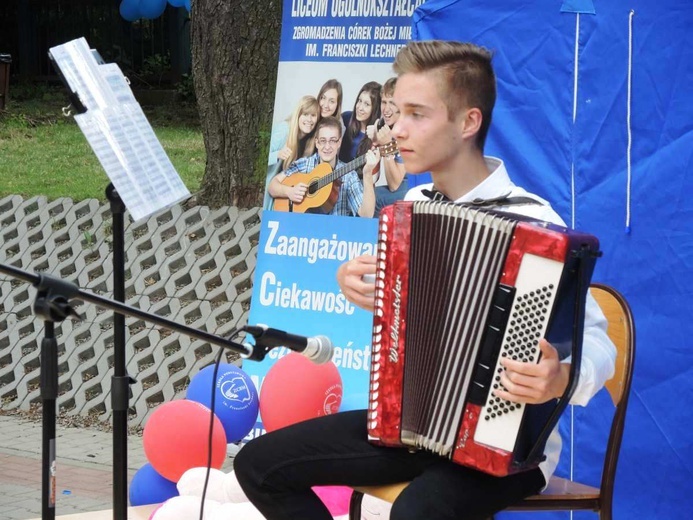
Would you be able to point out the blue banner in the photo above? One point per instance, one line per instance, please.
(345, 30)
(295, 289)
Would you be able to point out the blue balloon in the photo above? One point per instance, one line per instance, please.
(236, 399)
(130, 10)
(148, 487)
(152, 8)
(177, 3)
(187, 4)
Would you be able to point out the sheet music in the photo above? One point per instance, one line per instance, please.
(118, 131)
(117, 82)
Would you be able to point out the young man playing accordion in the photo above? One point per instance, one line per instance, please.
(445, 93)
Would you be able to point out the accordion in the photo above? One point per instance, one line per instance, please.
(457, 289)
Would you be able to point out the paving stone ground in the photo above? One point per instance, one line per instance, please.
(84, 468)
(84, 461)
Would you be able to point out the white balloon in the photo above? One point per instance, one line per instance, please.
(233, 490)
(185, 508)
(241, 511)
(192, 482)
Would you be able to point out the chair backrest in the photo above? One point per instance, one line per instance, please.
(621, 330)
(622, 333)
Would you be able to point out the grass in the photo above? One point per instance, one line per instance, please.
(45, 153)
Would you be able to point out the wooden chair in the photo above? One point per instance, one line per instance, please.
(562, 494)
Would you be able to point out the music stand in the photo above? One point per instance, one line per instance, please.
(142, 179)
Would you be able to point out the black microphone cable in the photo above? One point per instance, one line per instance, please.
(210, 433)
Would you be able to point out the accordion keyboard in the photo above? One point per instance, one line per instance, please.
(538, 278)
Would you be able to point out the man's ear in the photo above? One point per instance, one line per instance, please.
(471, 122)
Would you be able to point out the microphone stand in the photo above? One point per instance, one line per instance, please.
(51, 309)
(52, 304)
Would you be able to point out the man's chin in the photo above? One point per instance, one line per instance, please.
(413, 167)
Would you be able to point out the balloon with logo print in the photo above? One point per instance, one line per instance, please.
(296, 389)
(236, 400)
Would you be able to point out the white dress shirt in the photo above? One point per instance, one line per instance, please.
(598, 352)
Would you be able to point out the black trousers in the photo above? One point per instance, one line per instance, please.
(277, 470)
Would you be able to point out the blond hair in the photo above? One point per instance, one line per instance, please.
(468, 80)
(306, 105)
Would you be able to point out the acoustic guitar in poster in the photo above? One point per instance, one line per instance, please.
(323, 184)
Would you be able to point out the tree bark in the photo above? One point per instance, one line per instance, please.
(235, 51)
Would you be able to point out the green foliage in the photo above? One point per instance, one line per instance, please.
(34, 94)
(89, 239)
(155, 68)
(186, 89)
(45, 153)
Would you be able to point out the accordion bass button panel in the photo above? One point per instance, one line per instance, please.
(536, 287)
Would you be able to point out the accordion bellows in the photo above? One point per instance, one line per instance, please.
(457, 289)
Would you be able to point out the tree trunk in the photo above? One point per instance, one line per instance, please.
(235, 51)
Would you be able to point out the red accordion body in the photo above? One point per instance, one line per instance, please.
(458, 288)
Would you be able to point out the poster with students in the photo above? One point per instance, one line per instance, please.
(333, 53)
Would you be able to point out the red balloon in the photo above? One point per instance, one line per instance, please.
(296, 389)
(176, 437)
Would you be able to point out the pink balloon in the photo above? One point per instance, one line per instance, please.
(335, 498)
(175, 438)
(296, 389)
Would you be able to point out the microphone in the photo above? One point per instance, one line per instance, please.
(317, 348)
